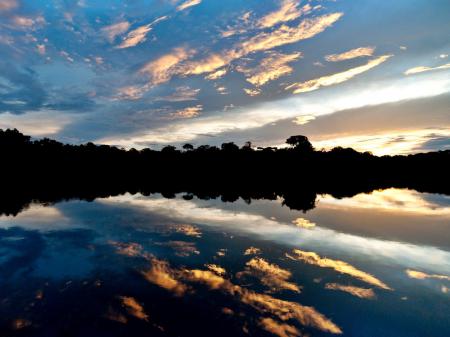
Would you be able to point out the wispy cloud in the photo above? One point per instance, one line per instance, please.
(289, 10)
(138, 35)
(344, 76)
(7, 5)
(351, 54)
(187, 4)
(181, 94)
(422, 69)
(217, 74)
(163, 68)
(270, 275)
(270, 68)
(355, 291)
(278, 328)
(111, 31)
(340, 266)
(422, 276)
(189, 112)
(283, 35)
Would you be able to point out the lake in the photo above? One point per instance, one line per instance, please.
(374, 264)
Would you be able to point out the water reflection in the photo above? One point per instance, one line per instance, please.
(145, 265)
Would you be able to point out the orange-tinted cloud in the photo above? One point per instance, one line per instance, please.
(278, 328)
(271, 275)
(422, 276)
(162, 275)
(355, 291)
(187, 4)
(134, 308)
(422, 69)
(340, 266)
(351, 54)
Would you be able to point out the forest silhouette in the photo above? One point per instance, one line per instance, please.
(47, 171)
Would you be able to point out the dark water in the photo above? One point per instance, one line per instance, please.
(372, 265)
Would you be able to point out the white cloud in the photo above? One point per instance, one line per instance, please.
(351, 54)
(187, 4)
(422, 69)
(333, 79)
(114, 30)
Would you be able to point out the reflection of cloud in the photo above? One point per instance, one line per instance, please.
(277, 328)
(189, 230)
(252, 251)
(304, 223)
(131, 249)
(340, 266)
(266, 304)
(221, 252)
(134, 308)
(351, 54)
(344, 76)
(422, 276)
(162, 275)
(252, 92)
(270, 68)
(270, 275)
(355, 291)
(423, 69)
(182, 248)
(187, 4)
(216, 269)
(391, 200)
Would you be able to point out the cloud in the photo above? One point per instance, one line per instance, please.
(351, 54)
(162, 69)
(111, 31)
(270, 275)
(7, 5)
(38, 124)
(340, 266)
(187, 4)
(355, 291)
(189, 112)
(216, 75)
(422, 276)
(344, 76)
(308, 28)
(138, 35)
(422, 69)
(288, 11)
(181, 94)
(270, 68)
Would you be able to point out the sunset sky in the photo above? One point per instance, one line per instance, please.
(369, 74)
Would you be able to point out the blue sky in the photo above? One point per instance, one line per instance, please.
(369, 74)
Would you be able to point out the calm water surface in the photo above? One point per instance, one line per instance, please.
(372, 265)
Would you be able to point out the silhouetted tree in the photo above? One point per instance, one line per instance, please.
(300, 143)
(229, 147)
(188, 147)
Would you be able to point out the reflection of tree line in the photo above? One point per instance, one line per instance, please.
(49, 171)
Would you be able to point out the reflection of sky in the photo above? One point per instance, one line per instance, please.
(261, 257)
(146, 72)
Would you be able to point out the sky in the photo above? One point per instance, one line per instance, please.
(372, 75)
